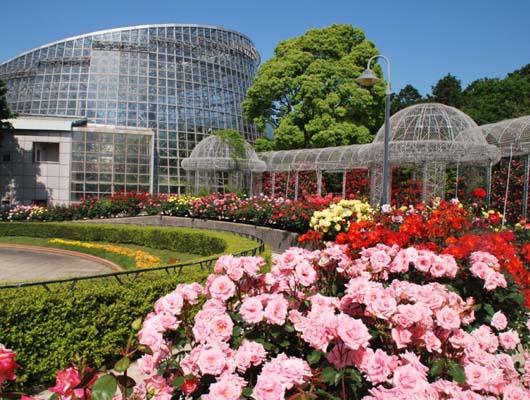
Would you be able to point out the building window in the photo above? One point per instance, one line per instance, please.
(45, 152)
(6, 157)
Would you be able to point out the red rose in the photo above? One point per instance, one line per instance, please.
(479, 193)
(7, 364)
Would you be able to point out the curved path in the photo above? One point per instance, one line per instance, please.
(20, 263)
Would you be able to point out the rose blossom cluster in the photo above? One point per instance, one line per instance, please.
(385, 329)
(7, 365)
(381, 260)
(486, 267)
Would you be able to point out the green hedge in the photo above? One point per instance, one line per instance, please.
(177, 239)
(49, 329)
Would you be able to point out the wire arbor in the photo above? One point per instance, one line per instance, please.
(429, 138)
(215, 166)
(512, 138)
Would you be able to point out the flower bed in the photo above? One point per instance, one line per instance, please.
(407, 303)
(142, 259)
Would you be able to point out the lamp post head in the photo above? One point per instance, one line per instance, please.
(367, 78)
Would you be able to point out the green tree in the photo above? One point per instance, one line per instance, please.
(5, 113)
(492, 99)
(447, 90)
(308, 94)
(407, 96)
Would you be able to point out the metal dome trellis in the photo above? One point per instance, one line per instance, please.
(430, 137)
(214, 165)
(512, 137)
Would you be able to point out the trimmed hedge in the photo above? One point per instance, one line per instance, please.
(177, 239)
(49, 329)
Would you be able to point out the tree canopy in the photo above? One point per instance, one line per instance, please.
(448, 91)
(407, 96)
(308, 94)
(492, 99)
(5, 113)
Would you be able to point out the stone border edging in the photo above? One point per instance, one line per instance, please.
(53, 250)
(276, 239)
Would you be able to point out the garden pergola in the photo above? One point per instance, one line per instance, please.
(215, 165)
(512, 138)
(428, 137)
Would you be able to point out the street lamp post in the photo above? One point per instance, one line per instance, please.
(368, 79)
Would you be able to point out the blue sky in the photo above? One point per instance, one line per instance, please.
(423, 39)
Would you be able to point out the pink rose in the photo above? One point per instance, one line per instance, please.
(268, 388)
(509, 340)
(212, 361)
(221, 327)
(158, 388)
(424, 261)
(448, 318)
(150, 336)
(499, 321)
(379, 260)
(353, 332)
(147, 364)
(305, 274)
(476, 376)
(383, 307)
(379, 366)
(514, 392)
(402, 337)
(252, 310)
(221, 287)
(494, 280)
(171, 303)
(410, 358)
(65, 382)
(276, 310)
(224, 389)
(459, 339)
(190, 291)
(409, 379)
(340, 356)
(432, 343)
(480, 269)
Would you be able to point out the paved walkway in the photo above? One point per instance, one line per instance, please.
(31, 263)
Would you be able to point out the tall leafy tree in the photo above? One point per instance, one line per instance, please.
(492, 99)
(447, 90)
(407, 96)
(5, 113)
(308, 94)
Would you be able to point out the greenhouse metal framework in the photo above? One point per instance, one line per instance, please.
(428, 138)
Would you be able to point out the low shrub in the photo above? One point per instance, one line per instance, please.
(91, 322)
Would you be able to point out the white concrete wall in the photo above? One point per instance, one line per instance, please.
(44, 181)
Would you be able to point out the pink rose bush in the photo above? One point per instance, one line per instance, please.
(387, 324)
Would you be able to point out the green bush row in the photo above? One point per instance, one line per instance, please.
(176, 239)
(49, 329)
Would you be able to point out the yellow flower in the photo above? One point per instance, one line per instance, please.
(142, 258)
